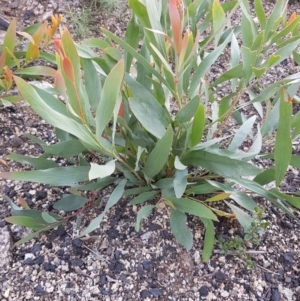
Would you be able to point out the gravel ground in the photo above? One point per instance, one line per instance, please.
(116, 263)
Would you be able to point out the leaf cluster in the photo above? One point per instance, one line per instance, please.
(154, 122)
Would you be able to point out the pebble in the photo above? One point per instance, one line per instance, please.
(16, 142)
(203, 291)
(224, 294)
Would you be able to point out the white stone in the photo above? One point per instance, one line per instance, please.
(29, 255)
(224, 294)
(5, 247)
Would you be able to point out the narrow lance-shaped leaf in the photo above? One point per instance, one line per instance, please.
(110, 92)
(159, 155)
(70, 203)
(143, 213)
(180, 230)
(113, 199)
(102, 171)
(58, 176)
(218, 16)
(198, 126)
(283, 144)
(192, 207)
(209, 238)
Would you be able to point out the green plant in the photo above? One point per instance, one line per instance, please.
(16, 56)
(121, 106)
(253, 235)
(109, 5)
(81, 22)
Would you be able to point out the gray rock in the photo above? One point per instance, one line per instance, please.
(5, 247)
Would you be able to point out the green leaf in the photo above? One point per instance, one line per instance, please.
(101, 183)
(198, 126)
(192, 207)
(239, 197)
(260, 13)
(283, 143)
(205, 65)
(143, 197)
(218, 16)
(132, 36)
(205, 188)
(111, 90)
(244, 219)
(70, 203)
(147, 109)
(11, 203)
(159, 155)
(142, 214)
(92, 83)
(137, 190)
(25, 221)
(180, 230)
(249, 58)
(255, 187)
(136, 55)
(48, 218)
(65, 149)
(221, 165)
(53, 111)
(57, 176)
(209, 238)
(178, 165)
(241, 134)
(294, 201)
(180, 182)
(36, 163)
(102, 171)
(265, 177)
(113, 199)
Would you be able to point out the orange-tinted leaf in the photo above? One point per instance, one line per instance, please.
(58, 47)
(3, 162)
(40, 33)
(8, 77)
(68, 69)
(292, 18)
(59, 84)
(121, 111)
(23, 203)
(176, 24)
(2, 61)
(223, 213)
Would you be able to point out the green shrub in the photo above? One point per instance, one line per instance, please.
(121, 106)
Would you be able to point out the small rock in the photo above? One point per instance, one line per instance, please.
(222, 259)
(203, 291)
(16, 142)
(39, 290)
(147, 264)
(220, 276)
(268, 277)
(5, 247)
(49, 267)
(145, 294)
(77, 262)
(36, 248)
(40, 194)
(156, 292)
(288, 280)
(275, 296)
(224, 294)
(39, 259)
(77, 242)
(29, 255)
